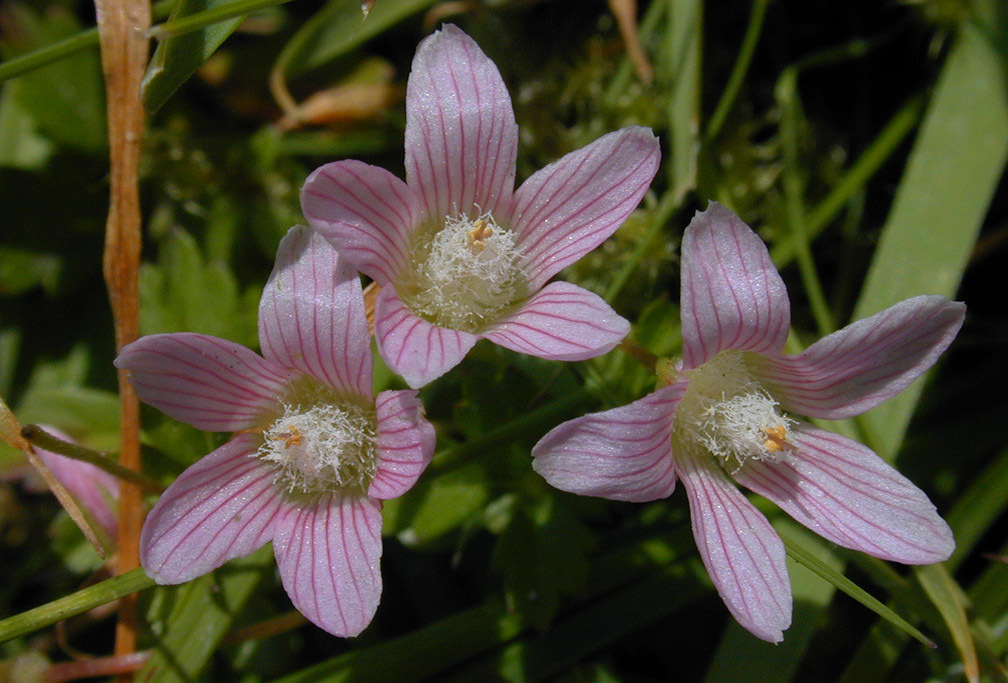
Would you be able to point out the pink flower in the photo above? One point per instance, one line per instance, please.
(315, 453)
(459, 253)
(726, 412)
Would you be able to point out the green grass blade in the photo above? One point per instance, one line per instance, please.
(954, 168)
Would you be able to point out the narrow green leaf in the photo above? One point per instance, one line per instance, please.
(944, 592)
(978, 508)
(954, 168)
(178, 57)
(340, 27)
(681, 69)
(807, 559)
(74, 604)
(202, 612)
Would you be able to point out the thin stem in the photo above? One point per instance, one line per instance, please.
(46, 441)
(266, 629)
(200, 20)
(76, 603)
(666, 207)
(739, 70)
(639, 354)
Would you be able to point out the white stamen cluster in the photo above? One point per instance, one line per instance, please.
(727, 413)
(467, 274)
(323, 447)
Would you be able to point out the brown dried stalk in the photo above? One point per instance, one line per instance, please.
(122, 30)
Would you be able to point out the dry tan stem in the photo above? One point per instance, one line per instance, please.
(10, 433)
(122, 29)
(625, 12)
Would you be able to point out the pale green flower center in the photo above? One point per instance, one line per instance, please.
(321, 444)
(466, 273)
(727, 413)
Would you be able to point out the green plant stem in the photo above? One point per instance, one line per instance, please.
(76, 603)
(39, 437)
(195, 22)
(65, 48)
(666, 207)
(739, 70)
(877, 153)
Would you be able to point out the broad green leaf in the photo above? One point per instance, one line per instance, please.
(65, 99)
(340, 27)
(76, 603)
(946, 595)
(956, 163)
(437, 504)
(178, 57)
(200, 615)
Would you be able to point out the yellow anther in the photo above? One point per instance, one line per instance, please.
(294, 437)
(776, 439)
(478, 235)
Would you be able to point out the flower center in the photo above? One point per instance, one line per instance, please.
(466, 274)
(321, 447)
(727, 413)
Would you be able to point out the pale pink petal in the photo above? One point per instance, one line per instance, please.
(846, 493)
(561, 322)
(865, 363)
(743, 554)
(732, 296)
(413, 348)
(213, 384)
(311, 316)
(366, 212)
(571, 206)
(328, 554)
(405, 443)
(461, 136)
(623, 454)
(95, 489)
(222, 507)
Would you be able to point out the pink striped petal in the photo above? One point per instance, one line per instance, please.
(328, 554)
(571, 206)
(213, 384)
(222, 507)
(366, 212)
(413, 348)
(846, 493)
(561, 322)
(743, 554)
(461, 136)
(405, 443)
(95, 489)
(622, 454)
(865, 363)
(311, 316)
(732, 296)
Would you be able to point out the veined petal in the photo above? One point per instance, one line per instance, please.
(623, 454)
(213, 384)
(405, 443)
(566, 209)
(561, 322)
(413, 348)
(846, 493)
(222, 507)
(743, 554)
(311, 316)
(328, 554)
(865, 363)
(461, 136)
(732, 296)
(366, 212)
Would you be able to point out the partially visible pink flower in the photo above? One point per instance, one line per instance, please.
(315, 453)
(726, 412)
(459, 253)
(92, 487)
